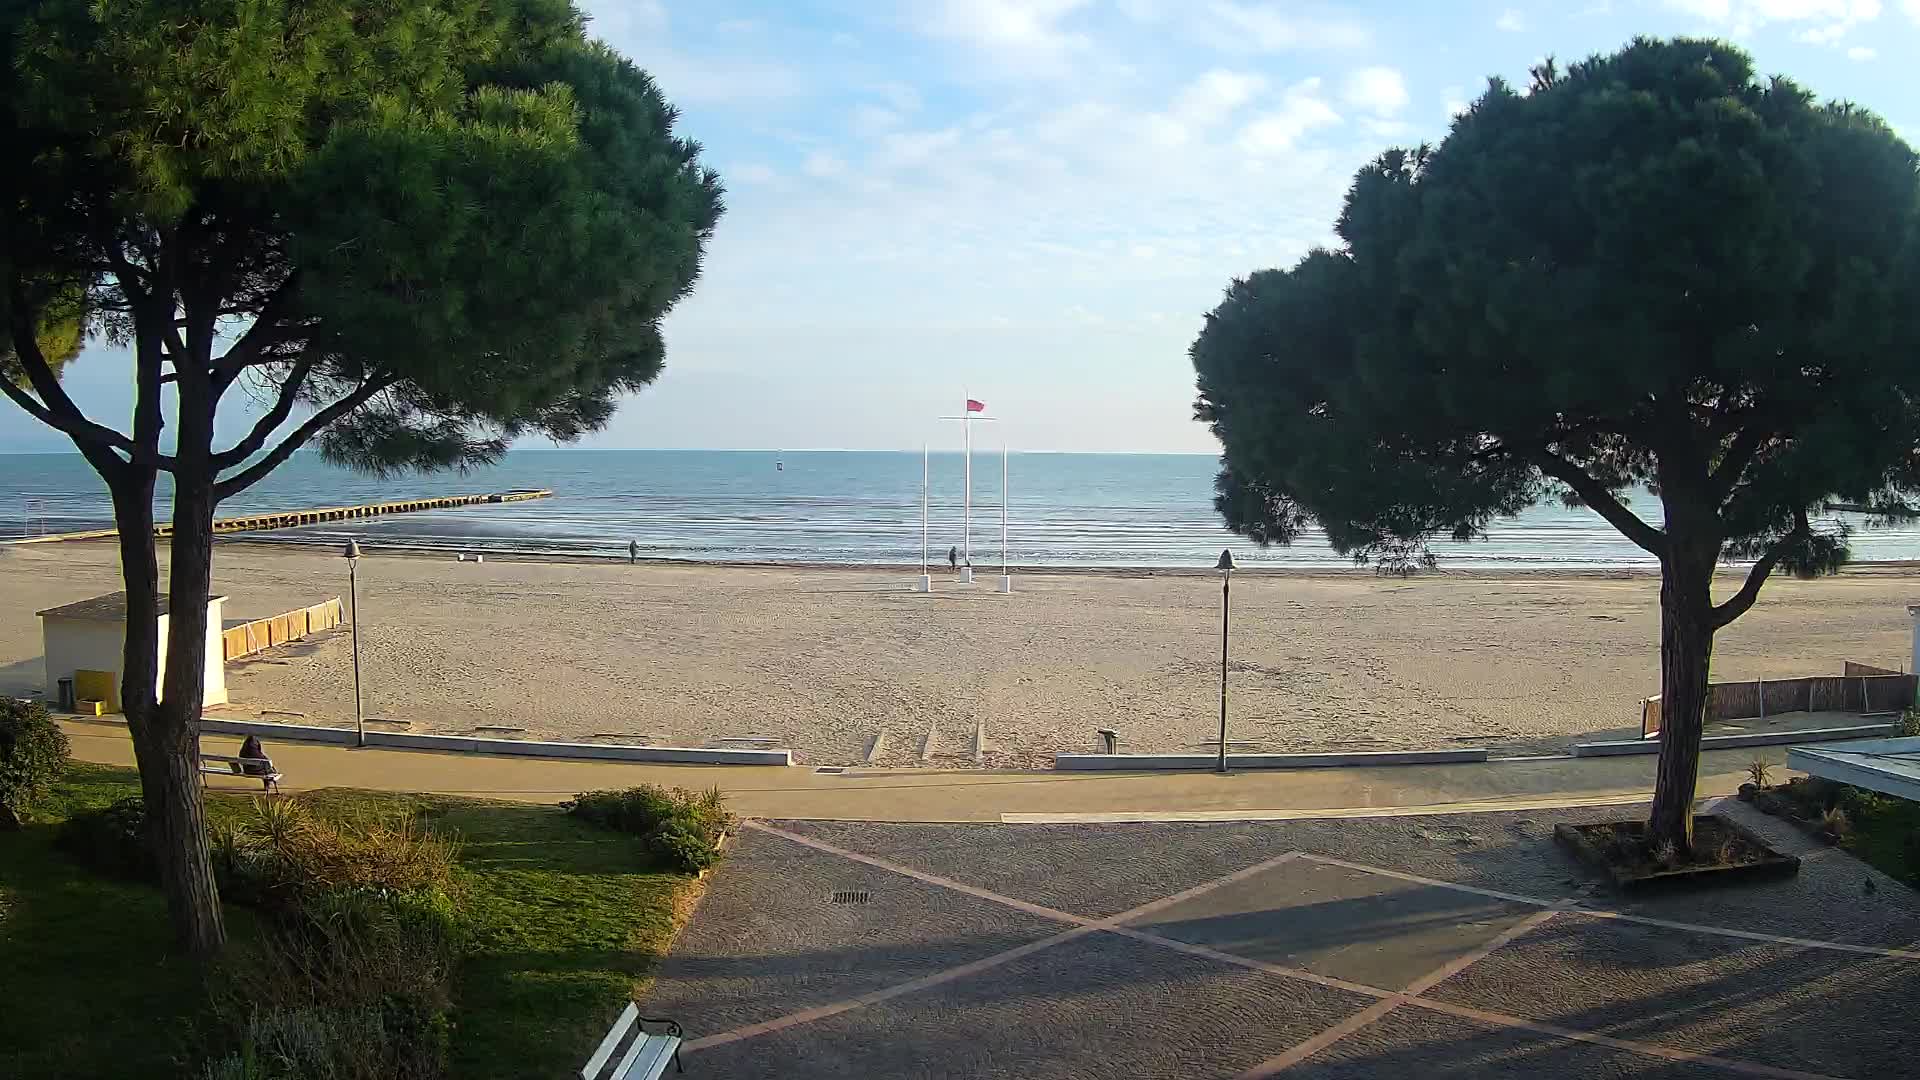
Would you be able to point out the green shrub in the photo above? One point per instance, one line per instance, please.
(347, 984)
(112, 839)
(282, 851)
(1909, 723)
(681, 828)
(33, 754)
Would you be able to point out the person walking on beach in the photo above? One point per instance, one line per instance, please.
(633, 552)
(953, 558)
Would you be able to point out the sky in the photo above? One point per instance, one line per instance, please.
(1034, 202)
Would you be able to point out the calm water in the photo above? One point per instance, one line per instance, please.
(1110, 510)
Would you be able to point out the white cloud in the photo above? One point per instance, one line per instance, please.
(1215, 95)
(1831, 19)
(900, 96)
(751, 174)
(872, 120)
(1028, 26)
(1262, 27)
(1454, 101)
(1301, 111)
(1377, 89)
(1912, 8)
(1860, 54)
(738, 26)
(1511, 21)
(822, 164)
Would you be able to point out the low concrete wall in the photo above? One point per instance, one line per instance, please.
(1144, 762)
(1732, 742)
(295, 732)
(461, 744)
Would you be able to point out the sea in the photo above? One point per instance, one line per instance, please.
(831, 508)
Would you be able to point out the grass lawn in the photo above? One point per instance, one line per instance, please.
(568, 921)
(1884, 838)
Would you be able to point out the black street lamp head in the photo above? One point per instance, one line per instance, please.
(1225, 565)
(353, 549)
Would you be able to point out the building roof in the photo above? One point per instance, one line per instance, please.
(109, 608)
(1889, 766)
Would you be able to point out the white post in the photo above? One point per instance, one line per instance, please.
(966, 425)
(925, 584)
(1006, 575)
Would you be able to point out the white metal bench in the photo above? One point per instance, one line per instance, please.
(252, 768)
(646, 1055)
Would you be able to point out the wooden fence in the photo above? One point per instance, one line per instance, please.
(260, 634)
(1862, 689)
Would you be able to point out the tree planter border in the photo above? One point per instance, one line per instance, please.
(1771, 865)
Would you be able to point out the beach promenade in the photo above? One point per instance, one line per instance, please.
(979, 795)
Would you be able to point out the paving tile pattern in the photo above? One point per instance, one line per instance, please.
(784, 982)
(1097, 1007)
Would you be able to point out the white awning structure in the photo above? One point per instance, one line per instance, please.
(1889, 766)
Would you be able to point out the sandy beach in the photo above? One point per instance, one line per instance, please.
(822, 660)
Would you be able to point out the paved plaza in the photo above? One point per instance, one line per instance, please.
(1465, 945)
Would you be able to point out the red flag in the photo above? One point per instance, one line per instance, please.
(975, 406)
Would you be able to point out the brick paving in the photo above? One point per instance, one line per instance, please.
(1465, 946)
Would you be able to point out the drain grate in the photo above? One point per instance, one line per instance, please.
(851, 896)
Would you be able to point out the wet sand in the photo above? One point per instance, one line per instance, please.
(823, 660)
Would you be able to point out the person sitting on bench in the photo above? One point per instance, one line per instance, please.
(254, 761)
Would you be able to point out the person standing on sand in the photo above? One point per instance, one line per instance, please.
(633, 552)
(953, 558)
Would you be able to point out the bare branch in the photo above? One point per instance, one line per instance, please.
(268, 424)
(316, 423)
(1737, 604)
(1602, 502)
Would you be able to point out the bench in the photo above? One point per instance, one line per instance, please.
(646, 1054)
(260, 769)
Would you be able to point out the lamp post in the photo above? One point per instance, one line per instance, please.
(352, 554)
(1226, 568)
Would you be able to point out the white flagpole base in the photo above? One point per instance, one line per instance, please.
(1006, 583)
(923, 583)
(966, 575)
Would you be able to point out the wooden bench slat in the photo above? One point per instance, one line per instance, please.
(648, 1058)
(607, 1045)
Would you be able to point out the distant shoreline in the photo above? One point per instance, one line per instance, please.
(1902, 567)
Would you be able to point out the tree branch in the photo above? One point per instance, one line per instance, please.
(1602, 502)
(252, 475)
(1737, 604)
(264, 331)
(268, 424)
(55, 408)
(1746, 446)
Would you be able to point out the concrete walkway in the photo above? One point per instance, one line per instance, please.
(978, 796)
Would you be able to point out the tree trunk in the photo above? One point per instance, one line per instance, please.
(181, 823)
(1686, 654)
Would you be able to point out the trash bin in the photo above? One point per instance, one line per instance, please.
(66, 695)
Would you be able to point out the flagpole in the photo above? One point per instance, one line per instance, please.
(925, 584)
(926, 476)
(966, 424)
(1006, 573)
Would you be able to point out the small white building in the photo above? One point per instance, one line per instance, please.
(91, 636)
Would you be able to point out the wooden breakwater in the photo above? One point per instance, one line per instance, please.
(288, 519)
